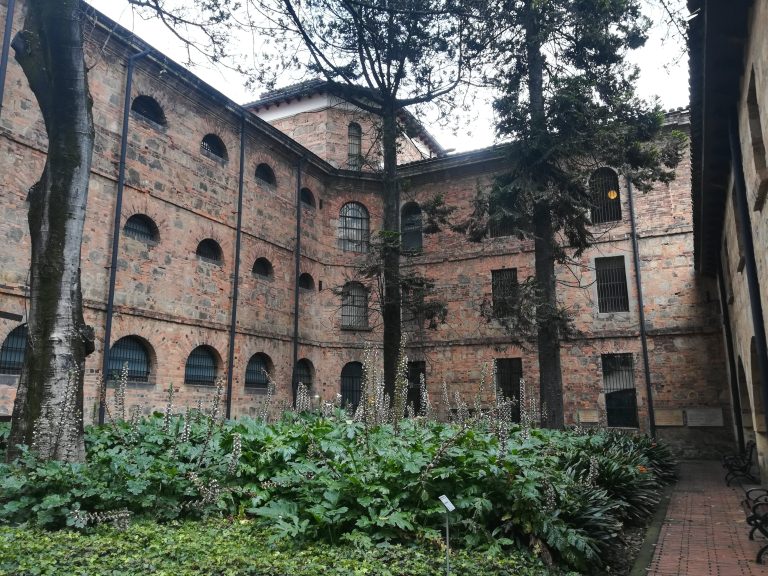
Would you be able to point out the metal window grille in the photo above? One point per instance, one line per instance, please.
(148, 108)
(304, 372)
(13, 350)
(620, 396)
(509, 372)
(612, 293)
(504, 288)
(141, 227)
(499, 222)
(606, 200)
(355, 135)
(201, 367)
(354, 306)
(351, 384)
(353, 228)
(266, 174)
(256, 371)
(412, 227)
(307, 198)
(209, 250)
(132, 351)
(263, 267)
(306, 282)
(416, 369)
(214, 145)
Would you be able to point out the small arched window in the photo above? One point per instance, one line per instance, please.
(306, 282)
(141, 227)
(305, 372)
(351, 384)
(13, 350)
(265, 173)
(263, 267)
(209, 250)
(354, 306)
(355, 136)
(307, 198)
(606, 200)
(201, 366)
(213, 146)
(132, 351)
(412, 227)
(257, 372)
(353, 228)
(147, 108)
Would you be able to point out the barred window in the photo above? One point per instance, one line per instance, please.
(411, 224)
(209, 250)
(509, 372)
(355, 135)
(265, 173)
(257, 372)
(351, 384)
(306, 281)
(353, 228)
(606, 200)
(201, 367)
(304, 373)
(307, 198)
(620, 395)
(214, 146)
(13, 350)
(504, 288)
(132, 351)
(263, 267)
(500, 222)
(416, 370)
(354, 306)
(141, 227)
(612, 293)
(147, 108)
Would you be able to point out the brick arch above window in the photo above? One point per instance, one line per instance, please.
(148, 108)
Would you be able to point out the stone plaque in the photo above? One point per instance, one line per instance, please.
(589, 417)
(704, 417)
(667, 417)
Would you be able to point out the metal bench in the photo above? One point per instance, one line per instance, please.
(755, 505)
(739, 466)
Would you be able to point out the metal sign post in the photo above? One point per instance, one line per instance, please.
(449, 507)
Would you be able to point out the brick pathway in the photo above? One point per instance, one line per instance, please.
(704, 532)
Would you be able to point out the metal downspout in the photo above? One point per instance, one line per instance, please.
(731, 359)
(6, 48)
(236, 281)
(297, 273)
(116, 231)
(641, 311)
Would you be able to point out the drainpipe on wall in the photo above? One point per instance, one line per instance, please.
(297, 273)
(236, 281)
(750, 265)
(641, 310)
(6, 49)
(116, 231)
(735, 394)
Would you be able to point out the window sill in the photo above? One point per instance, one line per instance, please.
(356, 328)
(254, 391)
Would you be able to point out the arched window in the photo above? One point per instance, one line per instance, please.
(351, 384)
(353, 228)
(410, 222)
(263, 267)
(13, 350)
(141, 227)
(307, 198)
(354, 306)
(214, 146)
(305, 372)
(130, 350)
(606, 200)
(306, 281)
(265, 173)
(201, 367)
(355, 135)
(256, 373)
(209, 250)
(147, 108)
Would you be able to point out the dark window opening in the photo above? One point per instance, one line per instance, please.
(351, 384)
(307, 198)
(509, 373)
(263, 267)
(200, 369)
(606, 200)
(620, 396)
(354, 306)
(214, 146)
(411, 224)
(612, 293)
(141, 227)
(257, 372)
(306, 281)
(505, 290)
(355, 135)
(148, 108)
(303, 374)
(416, 370)
(131, 351)
(353, 228)
(13, 350)
(209, 250)
(500, 221)
(266, 174)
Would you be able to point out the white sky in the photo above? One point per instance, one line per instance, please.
(663, 74)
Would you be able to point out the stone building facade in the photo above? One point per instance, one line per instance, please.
(197, 276)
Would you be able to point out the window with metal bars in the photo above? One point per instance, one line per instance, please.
(411, 225)
(416, 369)
(147, 108)
(263, 267)
(504, 290)
(612, 295)
(351, 384)
(209, 250)
(304, 372)
(606, 200)
(306, 282)
(265, 173)
(13, 350)
(214, 146)
(500, 223)
(307, 198)
(620, 395)
(353, 228)
(256, 373)
(355, 137)
(132, 351)
(354, 306)
(201, 367)
(141, 227)
(509, 372)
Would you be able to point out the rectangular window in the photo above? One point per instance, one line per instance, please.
(416, 370)
(504, 290)
(612, 293)
(619, 385)
(509, 371)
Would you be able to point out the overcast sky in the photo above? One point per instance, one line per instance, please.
(663, 74)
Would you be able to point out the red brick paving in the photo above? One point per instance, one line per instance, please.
(704, 532)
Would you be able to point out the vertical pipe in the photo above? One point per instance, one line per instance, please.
(6, 48)
(236, 281)
(731, 360)
(297, 273)
(116, 230)
(641, 312)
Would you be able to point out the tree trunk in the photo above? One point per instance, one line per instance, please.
(47, 414)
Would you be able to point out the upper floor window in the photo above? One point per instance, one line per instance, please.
(306, 281)
(351, 384)
(307, 198)
(355, 135)
(141, 227)
(353, 228)
(501, 221)
(265, 173)
(410, 221)
(257, 372)
(612, 295)
(210, 251)
(214, 146)
(504, 290)
(147, 108)
(354, 306)
(132, 352)
(13, 350)
(606, 200)
(201, 366)
(263, 267)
